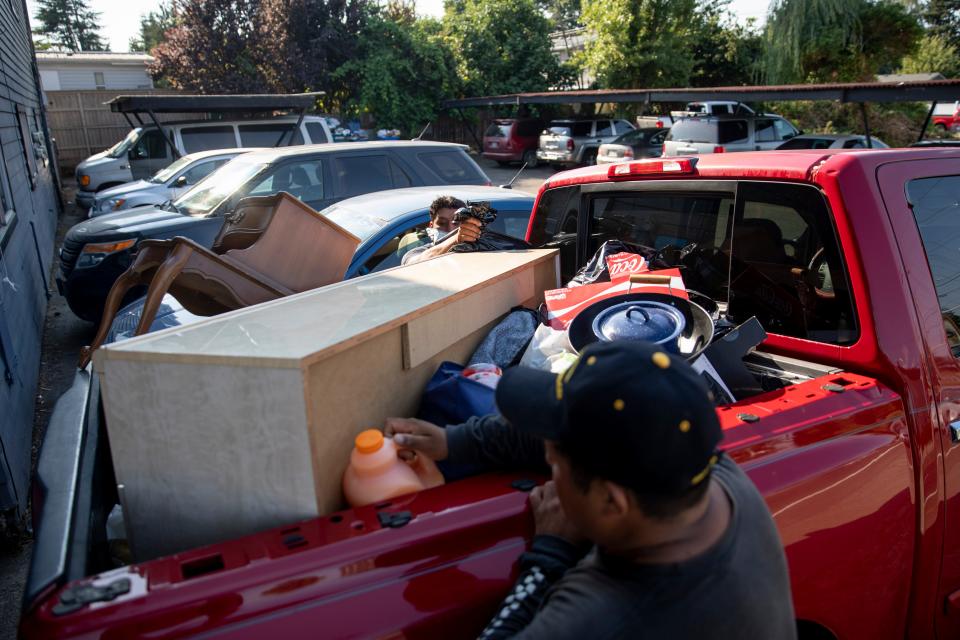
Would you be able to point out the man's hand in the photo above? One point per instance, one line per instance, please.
(469, 231)
(412, 435)
(549, 516)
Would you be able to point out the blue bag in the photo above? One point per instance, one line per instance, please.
(451, 399)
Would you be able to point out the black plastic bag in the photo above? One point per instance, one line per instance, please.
(491, 241)
(596, 269)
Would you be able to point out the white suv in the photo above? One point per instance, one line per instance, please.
(719, 134)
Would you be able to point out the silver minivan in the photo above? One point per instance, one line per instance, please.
(145, 150)
(725, 134)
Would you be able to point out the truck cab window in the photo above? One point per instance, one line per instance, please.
(786, 267)
(935, 206)
(555, 225)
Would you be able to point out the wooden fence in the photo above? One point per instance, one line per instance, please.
(82, 124)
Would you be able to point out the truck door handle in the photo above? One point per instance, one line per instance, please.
(955, 431)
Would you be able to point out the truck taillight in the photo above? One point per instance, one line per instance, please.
(569, 145)
(651, 167)
(718, 149)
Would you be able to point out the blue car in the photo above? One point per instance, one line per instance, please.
(380, 220)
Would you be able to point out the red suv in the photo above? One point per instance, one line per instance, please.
(512, 140)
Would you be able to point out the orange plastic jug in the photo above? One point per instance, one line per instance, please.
(376, 473)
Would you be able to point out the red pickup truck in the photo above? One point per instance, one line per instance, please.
(849, 260)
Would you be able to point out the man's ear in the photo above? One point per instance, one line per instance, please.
(615, 499)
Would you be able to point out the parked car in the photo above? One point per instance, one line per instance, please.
(95, 252)
(719, 134)
(849, 431)
(936, 143)
(146, 150)
(509, 140)
(572, 142)
(380, 220)
(832, 141)
(946, 116)
(169, 183)
(639, 143)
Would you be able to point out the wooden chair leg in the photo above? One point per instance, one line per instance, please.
(139, 273)
(162, 279)
(124, 283)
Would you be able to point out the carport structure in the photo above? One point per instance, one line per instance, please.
(932, 91)
(151, 105)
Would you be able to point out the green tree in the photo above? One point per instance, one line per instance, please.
(69, 25)
(943, 19)
(725, 51)
(563, 14)
(153, 28)
(302, 43)
(402, 71)
(501, 46)
(640, 43)
(836, 40)
(934, 54)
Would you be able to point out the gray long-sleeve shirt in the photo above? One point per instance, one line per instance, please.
(739, 588)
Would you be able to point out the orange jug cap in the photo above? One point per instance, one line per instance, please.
(369, 441)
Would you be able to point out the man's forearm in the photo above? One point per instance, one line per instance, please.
(490, 441)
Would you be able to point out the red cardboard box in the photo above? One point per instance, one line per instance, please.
(564, 304)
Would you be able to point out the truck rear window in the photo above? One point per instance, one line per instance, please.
(769, 251)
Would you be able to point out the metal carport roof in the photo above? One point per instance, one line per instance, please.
(922, 91)
(213, 103)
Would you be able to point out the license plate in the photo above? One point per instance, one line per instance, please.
(553, 145)
(494, 145)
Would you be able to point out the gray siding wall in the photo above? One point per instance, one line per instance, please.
(83, 79)
(27, 251)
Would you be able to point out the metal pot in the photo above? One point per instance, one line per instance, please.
(640, 320)
(693, 325)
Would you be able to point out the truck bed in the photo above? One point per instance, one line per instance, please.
(438, 562)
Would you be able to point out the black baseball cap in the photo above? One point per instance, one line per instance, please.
(626, 411)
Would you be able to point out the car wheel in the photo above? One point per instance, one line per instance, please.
(590, 158)
(530, 159)
(940, 127)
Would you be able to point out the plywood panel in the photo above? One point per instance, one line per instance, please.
(211, 455)
(361, 389)
(424, 335)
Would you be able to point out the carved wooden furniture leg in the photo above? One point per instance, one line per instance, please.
(148, 258)
(164, 277)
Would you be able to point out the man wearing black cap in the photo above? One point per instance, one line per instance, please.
(684, 546)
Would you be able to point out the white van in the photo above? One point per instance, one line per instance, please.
(145, 150)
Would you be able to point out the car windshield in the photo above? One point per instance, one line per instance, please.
(360, 223)
(120, 149)
(218, 186)
(170, 170)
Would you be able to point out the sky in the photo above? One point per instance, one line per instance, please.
(121, 18)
